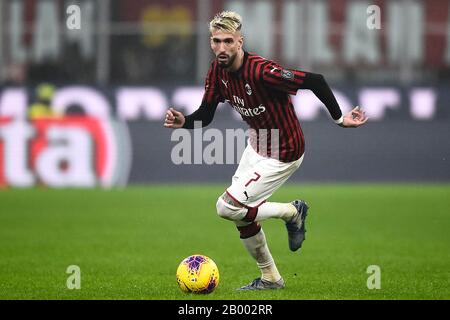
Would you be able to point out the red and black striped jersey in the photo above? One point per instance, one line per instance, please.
(260, 91)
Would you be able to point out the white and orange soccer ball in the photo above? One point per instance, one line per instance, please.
(198, 274)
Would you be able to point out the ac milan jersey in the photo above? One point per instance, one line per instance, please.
(260, 91)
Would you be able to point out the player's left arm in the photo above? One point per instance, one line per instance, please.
(355, 118)
(317, 84)
(289, 81)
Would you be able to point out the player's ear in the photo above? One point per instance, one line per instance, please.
(241, 41)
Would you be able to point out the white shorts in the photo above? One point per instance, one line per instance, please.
(258, 177)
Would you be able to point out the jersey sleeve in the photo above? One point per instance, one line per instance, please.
(275, 76)
(211, 98)
(289, 81)
(212, 95)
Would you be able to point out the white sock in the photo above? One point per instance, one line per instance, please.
(283, 211)
(258, 249)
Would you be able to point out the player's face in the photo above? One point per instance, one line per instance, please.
(226, 46)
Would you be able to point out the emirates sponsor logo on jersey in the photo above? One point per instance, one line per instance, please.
(250, 112)
(238, 104)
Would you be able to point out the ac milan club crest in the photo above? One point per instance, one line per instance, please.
(248, 89)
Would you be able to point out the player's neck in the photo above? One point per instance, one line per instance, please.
(237, 62)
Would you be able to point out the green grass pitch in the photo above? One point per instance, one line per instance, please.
(128, 243)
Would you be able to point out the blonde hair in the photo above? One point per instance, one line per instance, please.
(227, 21)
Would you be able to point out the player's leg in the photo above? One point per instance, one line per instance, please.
(295, 221)
(251, 234)
(294, 213)
(245, 210)
(251, 189)
(253, 239)
(258, 182)
(227, 207)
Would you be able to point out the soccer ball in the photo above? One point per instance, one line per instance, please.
(198, 274)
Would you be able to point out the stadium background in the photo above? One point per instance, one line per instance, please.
(131, 60)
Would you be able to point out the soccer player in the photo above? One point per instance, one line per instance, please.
(259, 90)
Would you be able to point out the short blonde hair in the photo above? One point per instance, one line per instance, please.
(227, 21)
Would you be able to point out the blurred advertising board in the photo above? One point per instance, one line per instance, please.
(73, 151)
(127, 103)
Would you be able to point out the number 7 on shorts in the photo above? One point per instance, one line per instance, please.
(253, 179)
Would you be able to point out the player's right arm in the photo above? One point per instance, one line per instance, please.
(175, 119)
(205, 113)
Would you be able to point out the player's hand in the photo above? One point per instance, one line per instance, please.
(355, 118)
(174, 119)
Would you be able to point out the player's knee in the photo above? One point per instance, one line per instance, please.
(229, 212)
(222, 210)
